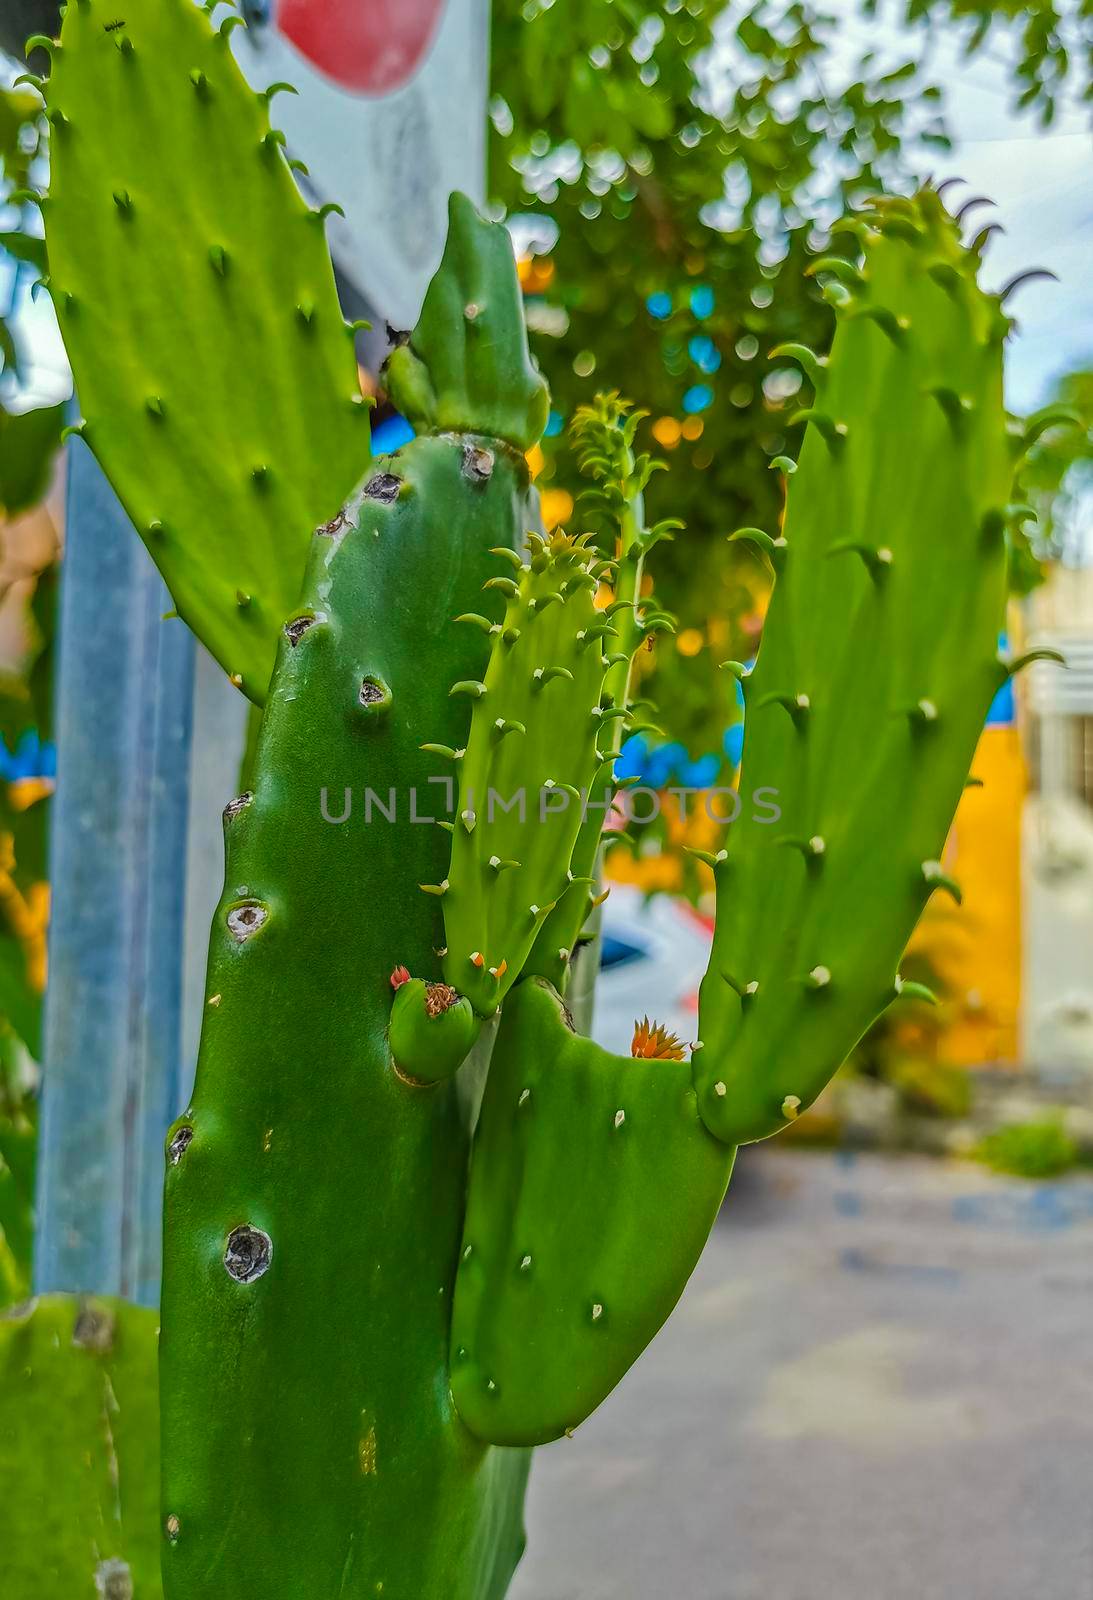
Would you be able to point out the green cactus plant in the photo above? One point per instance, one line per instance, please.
(604, 435)
(313, 1243)
(376, 1295)
(879, 661)
(78, 1480)
(877, 668)
(530, 757)
(593, 1189)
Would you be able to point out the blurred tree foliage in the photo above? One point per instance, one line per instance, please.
(26, 725)
(1059, 477)
(1053, 44)
(20, 18)
(29, 440)
(678, 163)
(20, 140)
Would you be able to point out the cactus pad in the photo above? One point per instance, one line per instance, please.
(79, 1451)
(604, 435)
(466, 367)
(530, 757)
(877, 666)
(192, 281)
(593, 1188)
(314, 1195)
(315, 1187)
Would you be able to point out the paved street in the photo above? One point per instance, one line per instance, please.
(878, 1386)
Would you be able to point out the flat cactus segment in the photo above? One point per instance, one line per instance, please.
(594, 1186)
(79, 1451)
(877, 667)
(196, 298)
(467, 366)
(314, 1195)
(604, 435)
(530, 758)
(565, 930)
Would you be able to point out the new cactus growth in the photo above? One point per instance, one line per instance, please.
(604, 434)
(365, 1319)
(530, 759)
(466, 367)
(432, 1030)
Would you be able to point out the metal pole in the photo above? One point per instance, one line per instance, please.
(136, 850)
(118, 869)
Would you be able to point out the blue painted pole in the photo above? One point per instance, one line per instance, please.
(124, 705)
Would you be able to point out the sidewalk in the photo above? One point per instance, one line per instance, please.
(878, 1386)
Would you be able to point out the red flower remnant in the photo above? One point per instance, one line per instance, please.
(654, 1043)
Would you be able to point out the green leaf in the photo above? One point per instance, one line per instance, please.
(28, 444)
(18, 1141)
(25, 247)
(43, 608)
(17, 108)
(19, 1003)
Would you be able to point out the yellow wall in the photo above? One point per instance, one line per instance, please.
(975, 949)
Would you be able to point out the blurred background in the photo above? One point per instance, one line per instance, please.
(878, 1382)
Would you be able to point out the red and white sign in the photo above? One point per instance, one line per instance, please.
(372, 46)
(390, 118)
